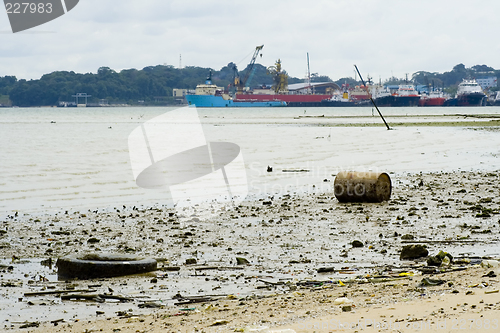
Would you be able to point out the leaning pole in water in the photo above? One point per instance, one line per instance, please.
(371, 98)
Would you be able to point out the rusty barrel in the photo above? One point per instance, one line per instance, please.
(351, 186)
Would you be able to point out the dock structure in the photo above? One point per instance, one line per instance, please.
(81, 95)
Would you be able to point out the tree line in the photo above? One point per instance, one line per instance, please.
(154, 85)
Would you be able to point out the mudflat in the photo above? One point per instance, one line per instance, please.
(300, 261)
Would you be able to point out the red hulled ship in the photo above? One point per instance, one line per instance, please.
(300, 94)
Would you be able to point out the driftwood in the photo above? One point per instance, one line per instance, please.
(89, 297)
(169, 268)
(54, 292)
(311, 283)
(30, 324)
(326, 269)
(151, 305)
(196, 299)
(97, 297)
(116, 297)
(440, 241)
(272, 283)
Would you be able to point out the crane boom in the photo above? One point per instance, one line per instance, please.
(243, 82)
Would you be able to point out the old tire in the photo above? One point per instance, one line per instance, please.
(91, 266)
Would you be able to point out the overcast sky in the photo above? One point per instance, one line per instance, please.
(382, 37)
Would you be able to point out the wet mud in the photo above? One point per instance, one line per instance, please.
(273, 245)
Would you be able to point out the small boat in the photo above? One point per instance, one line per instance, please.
(342, 101)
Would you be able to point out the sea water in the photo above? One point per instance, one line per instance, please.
(57, 159)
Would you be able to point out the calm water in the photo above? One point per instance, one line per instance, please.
(54, 159)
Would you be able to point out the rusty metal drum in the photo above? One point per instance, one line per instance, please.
(351, 186)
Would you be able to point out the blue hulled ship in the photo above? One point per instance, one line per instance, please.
(209, 95)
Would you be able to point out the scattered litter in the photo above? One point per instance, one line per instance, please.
(220, 322)
(490, 264)
(431, 282)
(343, 301)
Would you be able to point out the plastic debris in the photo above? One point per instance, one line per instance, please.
(343, 301)
(490, 264)
(255, 328)
(431, 282)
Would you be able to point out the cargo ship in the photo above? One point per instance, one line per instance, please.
(298, 95)
(359, 93)
(334, 101)
(406, 95)
(216, 101)
(210, 95)
(434, 98)
(289, 99)
(381, 95)
(470, 93)
(280, 94)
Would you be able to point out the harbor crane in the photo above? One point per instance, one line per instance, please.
(241, 83)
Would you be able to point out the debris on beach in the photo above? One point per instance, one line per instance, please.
(440, 259)
(350, 186)
(242, 261)
(413, 251)
(96, 265)
(298, 245)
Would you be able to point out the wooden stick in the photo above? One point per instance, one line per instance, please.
(371, 98)
(90, 297)
(40, 293)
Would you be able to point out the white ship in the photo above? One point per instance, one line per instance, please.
(470, 93)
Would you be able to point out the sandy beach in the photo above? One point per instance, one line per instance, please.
(287, 242)
(396, 306)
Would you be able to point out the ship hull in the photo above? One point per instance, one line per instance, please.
(328, 103)
(472, 99)
(282, 97)
(437, 101)
(451, 102)
(208, 101)
(397, 100)
(405, 100)
(384, 101)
